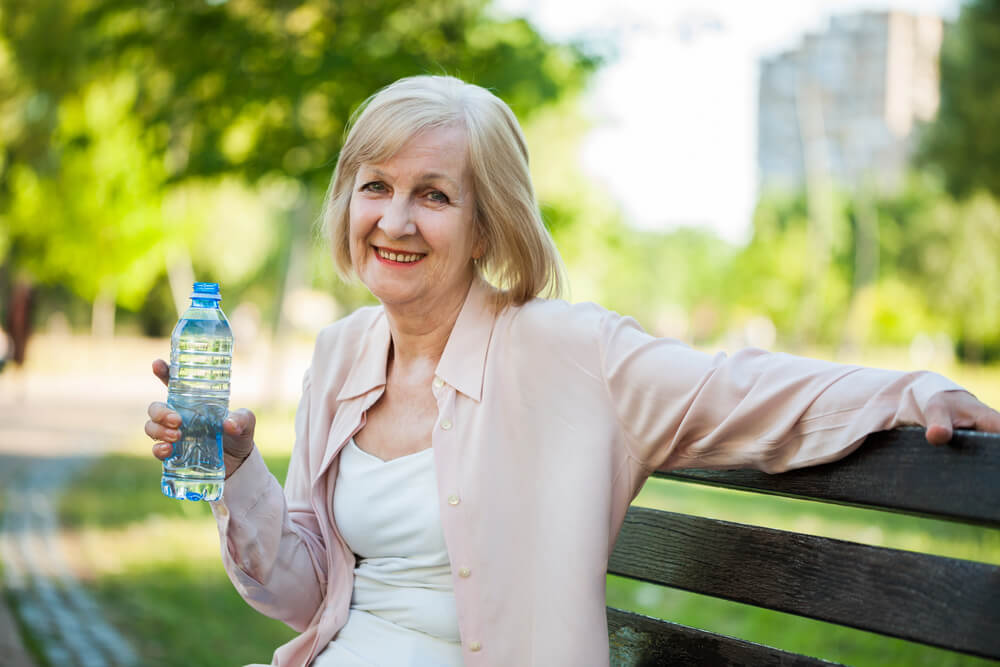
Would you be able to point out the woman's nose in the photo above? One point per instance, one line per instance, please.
(396, 221)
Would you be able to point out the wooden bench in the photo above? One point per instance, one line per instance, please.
(933, 600)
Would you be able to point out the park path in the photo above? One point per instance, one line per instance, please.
(57, 417)
(76, 400)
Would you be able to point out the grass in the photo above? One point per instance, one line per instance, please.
(32, 644)
(187, 613)
(154, 565)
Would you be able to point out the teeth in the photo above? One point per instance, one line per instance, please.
(398, 257)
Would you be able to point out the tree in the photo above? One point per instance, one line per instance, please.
(106, 238)
(936, 269)
(260, 90)
(963, 141)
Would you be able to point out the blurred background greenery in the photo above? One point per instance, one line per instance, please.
(145, 144)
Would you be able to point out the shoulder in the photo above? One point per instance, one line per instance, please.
(561, 326)
(549, 317)
(571, 332)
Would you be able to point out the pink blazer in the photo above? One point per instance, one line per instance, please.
(550, 418)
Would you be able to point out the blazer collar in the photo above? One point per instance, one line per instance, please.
(368, 370)
(462, 364)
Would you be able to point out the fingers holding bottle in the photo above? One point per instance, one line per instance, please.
(161, 370)
(237, 438)
(163, 426)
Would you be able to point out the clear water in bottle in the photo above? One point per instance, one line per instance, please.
(201, 352)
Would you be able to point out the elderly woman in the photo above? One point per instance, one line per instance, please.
(466, 451)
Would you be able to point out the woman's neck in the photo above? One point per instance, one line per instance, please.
(419, 335)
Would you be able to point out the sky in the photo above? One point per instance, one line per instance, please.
(674, 112)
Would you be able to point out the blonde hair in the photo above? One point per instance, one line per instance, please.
(519, 257)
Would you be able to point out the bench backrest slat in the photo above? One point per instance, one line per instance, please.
(934, 600)
(640, 641)
(894, 470)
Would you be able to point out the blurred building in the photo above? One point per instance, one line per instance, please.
(843, 105)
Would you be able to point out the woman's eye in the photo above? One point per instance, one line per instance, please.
(438, 196)
(374, 186)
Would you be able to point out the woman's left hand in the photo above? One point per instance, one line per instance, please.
(948, 410)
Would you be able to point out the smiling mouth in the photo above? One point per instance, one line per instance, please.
(398, 257)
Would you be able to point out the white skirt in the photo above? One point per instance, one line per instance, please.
(370, 641)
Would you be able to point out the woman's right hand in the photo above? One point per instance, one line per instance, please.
(164, 424)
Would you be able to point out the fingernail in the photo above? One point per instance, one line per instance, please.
(234, 425)
(173, 420)
(173, 435)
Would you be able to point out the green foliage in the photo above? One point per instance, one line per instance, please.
(655, 277)
(129, 131)
(107, 235)
(784, 271)
(652, 276)
(963, 142)
(256, 87)
(874, 269)
(936, 264)
(131, 134)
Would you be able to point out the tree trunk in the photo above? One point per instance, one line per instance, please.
(820, 203)
(180, 275)
(293, 276)
(102, 320)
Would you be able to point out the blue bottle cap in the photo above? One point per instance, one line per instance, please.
(206, 291)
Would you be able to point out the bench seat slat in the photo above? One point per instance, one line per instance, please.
(893, 470)
(641, 641)
(933, 600)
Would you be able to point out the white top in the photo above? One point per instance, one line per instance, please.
(403, 606)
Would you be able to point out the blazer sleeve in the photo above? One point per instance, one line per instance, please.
(680, 408)
(271, 543)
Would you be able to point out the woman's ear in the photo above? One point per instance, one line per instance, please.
(479, 249)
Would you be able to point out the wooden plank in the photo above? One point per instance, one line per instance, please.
(893, 470)
(641, 641)
(946, 602)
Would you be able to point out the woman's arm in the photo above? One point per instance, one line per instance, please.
(271, 543)
(681, 408)
(270, 538)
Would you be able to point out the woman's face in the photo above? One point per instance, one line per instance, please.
(412, 233)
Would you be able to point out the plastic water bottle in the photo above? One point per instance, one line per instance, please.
(201, 353)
